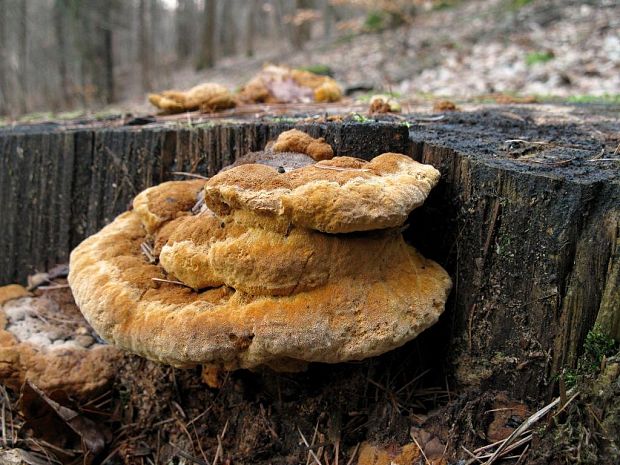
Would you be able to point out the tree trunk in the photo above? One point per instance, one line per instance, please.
(4, 74)
(184, 15)
(60, 30)
(144, 46)
(528, 231)
(252, 12)
(227, 32)
(300, 33)
(23, 57)
(108, 53)
(207, 52)
(328, 19)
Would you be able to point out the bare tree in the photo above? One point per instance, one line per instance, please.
(299, 28)
(184, 27)
(328, 19)
(144, 46)
(207, 52)
(108, 52)
(23, 56)
(60, 9)
(56, 54)
(4, 72)
(252, 12)
(227, 33)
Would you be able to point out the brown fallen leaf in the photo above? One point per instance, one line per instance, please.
(287, 90)
(93, 438)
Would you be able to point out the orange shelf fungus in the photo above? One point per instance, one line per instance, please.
(277, 267)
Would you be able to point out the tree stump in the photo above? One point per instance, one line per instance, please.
(526, 218)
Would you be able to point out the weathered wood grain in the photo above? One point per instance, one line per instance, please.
(525, 219)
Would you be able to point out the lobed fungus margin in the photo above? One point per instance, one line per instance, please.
(272, 267)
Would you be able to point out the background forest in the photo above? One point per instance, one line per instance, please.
(66, 55)
(62, 54)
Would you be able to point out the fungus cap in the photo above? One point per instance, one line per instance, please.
(208, 97)
(291, 150)
(341, 195)
(254, 280)
(281, 84)
(297, 141)
(351, 318)
(203, 251)
(166, 201)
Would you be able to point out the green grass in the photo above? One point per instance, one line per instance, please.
(42, 116)
(596, 346)
(445, 4)
(346, 38)
(534, 58)
(360, 118)
(518, 4)
(283, 119)
(323, 70)
(604, 98)
(375, 21)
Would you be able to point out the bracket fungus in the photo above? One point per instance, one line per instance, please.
(277, 267)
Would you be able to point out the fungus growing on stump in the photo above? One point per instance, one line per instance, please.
(277, 268)
(299, 142)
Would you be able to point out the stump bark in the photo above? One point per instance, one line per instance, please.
(526, 217)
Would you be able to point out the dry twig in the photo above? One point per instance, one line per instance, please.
(148, 252)
(338, 168)
(350, 461)
(170, 281)
(314, 456)
(523, 429)
(189, 175)
(419, 447)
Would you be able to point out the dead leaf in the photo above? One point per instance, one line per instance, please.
(287, 90)
(89, 432)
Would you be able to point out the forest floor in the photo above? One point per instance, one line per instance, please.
(467, 51)
(550, 49)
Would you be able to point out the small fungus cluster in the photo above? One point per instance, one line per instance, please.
(281, 84)
(269, 262)
(273, 84)
(207, 97)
